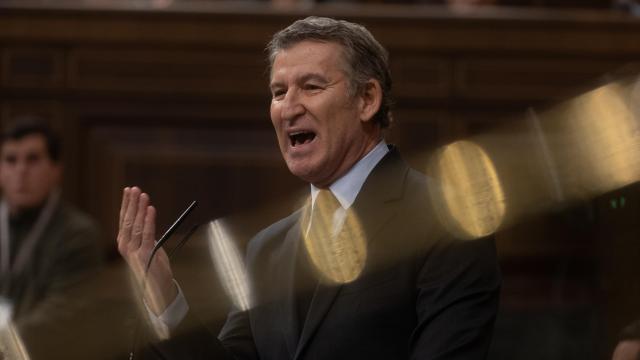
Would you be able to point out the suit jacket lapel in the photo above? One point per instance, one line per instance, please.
(322, 300)
(373, 207)
(286, 286)
(376, 201)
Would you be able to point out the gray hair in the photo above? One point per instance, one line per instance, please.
(364, 56)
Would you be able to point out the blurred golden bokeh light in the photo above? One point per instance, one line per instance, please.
(468, 197)
(600, 141)
(338, 253)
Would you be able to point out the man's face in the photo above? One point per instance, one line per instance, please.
(319, 125)
(27, 173)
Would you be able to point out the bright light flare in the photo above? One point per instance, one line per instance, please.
(11, 345)
(229, 265)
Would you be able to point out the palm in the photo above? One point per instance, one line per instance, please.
(136, 238)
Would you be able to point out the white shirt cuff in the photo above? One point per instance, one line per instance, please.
(171, 317)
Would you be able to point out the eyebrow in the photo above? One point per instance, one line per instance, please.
(304, 78)
(313, 76)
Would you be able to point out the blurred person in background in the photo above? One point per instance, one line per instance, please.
(47, 247)
(630, 6)
(628, 347)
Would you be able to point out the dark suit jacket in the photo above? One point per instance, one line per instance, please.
(48, 293)
(421, 295)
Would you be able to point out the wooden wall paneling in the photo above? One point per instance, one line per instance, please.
(421, 76)
(509, 30)
(148, 110)
(101, 190)
(419, 131)
(172, 72)
(3, 61)
(527, 78)
(48, 108)
(72, 153)
(131, 26)
(33, 67)
(413, 27)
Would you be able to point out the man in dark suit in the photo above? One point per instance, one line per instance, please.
(48, 249)
(364, 270)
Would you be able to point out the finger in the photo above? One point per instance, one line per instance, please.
(123, 205)
(149, 229)
(138, 222)
(124, 235)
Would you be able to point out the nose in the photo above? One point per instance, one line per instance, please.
(21, 168)
(292, 106)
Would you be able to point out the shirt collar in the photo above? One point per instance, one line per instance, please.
(346, 188)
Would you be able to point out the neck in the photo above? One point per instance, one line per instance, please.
(364, 148)
(19, 210)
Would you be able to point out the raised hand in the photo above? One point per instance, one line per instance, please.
(136, 238)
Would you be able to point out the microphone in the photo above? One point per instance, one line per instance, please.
(168, 234)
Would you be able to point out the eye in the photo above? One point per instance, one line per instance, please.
(312, 87)
(278, 94)
(10, 159)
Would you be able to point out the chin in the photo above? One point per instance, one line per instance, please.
(27, 202)
(306, 169)
(304, 173)
(301, 174)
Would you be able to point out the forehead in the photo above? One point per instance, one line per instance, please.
(308, 56)
(32, 143)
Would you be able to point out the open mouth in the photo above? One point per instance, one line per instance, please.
(301, 137)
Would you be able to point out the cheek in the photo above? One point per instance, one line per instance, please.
(274, 113)
(41, 189)
(45, 176)
(7, 176)
(339, 126)
(275, 121)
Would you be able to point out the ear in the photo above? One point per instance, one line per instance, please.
(370, 100)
